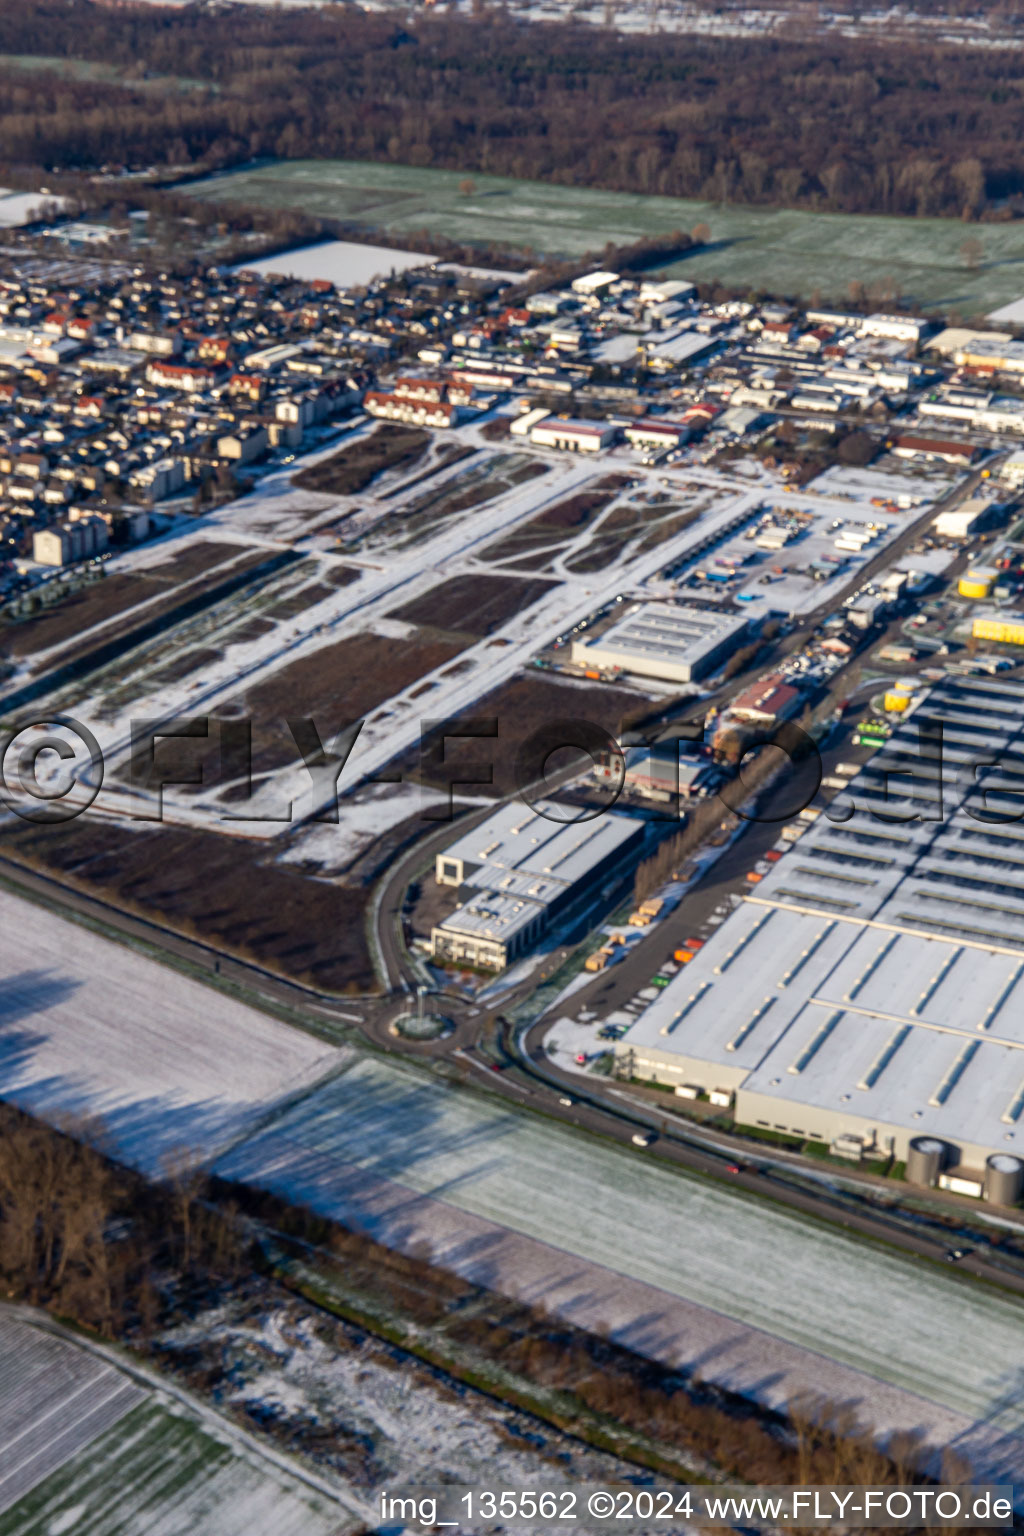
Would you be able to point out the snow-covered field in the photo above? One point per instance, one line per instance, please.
(161, 1466)
(693, 1273)
(172, 1068)
(17, 208)
(348, 263)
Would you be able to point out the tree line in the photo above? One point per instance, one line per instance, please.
(95, 1242)
(830, 123)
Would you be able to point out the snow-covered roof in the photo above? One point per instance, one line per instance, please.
(878, 970)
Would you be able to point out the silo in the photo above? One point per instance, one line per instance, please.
(925, 1157)
(1004, 1179)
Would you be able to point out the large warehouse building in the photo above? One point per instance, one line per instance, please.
(870, 995)
(673, 642)
(518, 872)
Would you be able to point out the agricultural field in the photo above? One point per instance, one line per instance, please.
(763, 1301)
(779, 250)
(54, 1400)
(96, 1451)
(169, 1068)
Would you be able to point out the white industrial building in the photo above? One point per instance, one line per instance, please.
(674, 642)
(870, 993)
(656, 432)
(907, 328)
(593, 282)
(574, 436)
(970, 517)
(520, 870)
(986, 413)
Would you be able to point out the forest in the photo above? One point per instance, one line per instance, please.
(825, 122)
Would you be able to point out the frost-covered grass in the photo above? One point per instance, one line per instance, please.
(87, 1450)
(91, 1028)
(786, 250)
(54, 1399)
(624, 1240)
(160, 1473)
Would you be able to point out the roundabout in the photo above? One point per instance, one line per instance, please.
(421, 1024)
(426, 1026)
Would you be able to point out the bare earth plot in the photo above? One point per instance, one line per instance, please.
(786, 251)
(336, 686)
(227, 889)
(170, 1067)
(476, 605)
(693, 1274)
(113, 1458)
(527, 701)
(110, 607)
(353, 466)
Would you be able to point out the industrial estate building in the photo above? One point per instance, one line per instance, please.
(1002, 625)
(575, 436)
(674, 642)
(518, 872)
(970, 517)
(870, 994)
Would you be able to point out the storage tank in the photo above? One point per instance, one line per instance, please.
(925, 1157)
(896, 701)
(977, 583)
(1004, 1179)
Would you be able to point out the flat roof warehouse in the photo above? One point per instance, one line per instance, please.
(519, 870)
(874, 985)
(674, 641)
